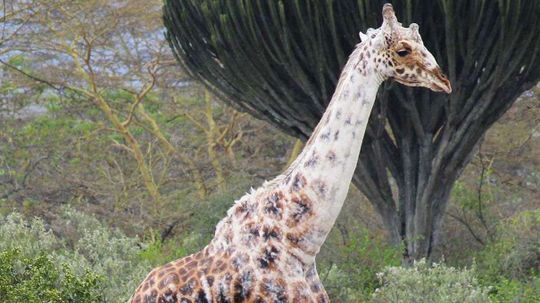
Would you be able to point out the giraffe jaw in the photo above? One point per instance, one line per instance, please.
(432, 79)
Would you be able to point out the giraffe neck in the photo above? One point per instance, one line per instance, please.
(327, 162)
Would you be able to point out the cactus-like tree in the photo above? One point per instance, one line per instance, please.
(280, 60)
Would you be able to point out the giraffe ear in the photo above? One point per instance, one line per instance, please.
(363, 37)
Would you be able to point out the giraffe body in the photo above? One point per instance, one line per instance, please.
(254, 256)
(264, 249)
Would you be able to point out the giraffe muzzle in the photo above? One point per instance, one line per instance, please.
(440, 82)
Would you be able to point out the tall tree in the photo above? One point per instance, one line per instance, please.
(280, 61)
(107, 65)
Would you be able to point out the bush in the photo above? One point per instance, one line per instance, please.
(86, 245)
(424, 283)
(506, 290)
(41, 280)
(515, 254)
(349, 272)
(31, 237)
(511, 262)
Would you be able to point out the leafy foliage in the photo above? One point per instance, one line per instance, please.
(516, 251)
(511, 263)
(349, 273)
(87, 248)
(425, 283)
(39, 279)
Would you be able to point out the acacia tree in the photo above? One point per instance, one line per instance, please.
(280, 61)
(103, 55)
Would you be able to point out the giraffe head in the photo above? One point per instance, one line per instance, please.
(403, 56)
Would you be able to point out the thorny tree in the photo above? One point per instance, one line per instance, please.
(280, 61)
(112, 56)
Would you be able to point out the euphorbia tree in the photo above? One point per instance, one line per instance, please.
(280, 61)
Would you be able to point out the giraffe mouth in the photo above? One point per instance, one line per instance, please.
(441, 88)
(440, 83)
(437, 85)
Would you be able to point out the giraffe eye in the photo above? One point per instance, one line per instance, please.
(403, 52)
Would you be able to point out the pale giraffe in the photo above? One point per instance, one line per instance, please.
(264, 249)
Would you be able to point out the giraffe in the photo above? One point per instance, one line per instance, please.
(264, 249)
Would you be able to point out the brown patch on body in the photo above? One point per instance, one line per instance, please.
(242, 210)
(274, 205)
(300, 208)
(268, 258)
(219, 267)
(271, 233)
(299, 294)
(276, 290)
(188, 288)
(240, 260)
(171, 278)
(151, 297)
(243, 286)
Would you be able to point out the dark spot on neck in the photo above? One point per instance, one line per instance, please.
(299, 182)
(331, 156)
(326, 135)
(312, 161)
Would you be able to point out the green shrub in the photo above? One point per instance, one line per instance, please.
(515, 254)
(87, 245)
(39, 279)
(31, 237)
(105, 251)
(506, 290)
(511, 262)
(349, 272)
(430, 284)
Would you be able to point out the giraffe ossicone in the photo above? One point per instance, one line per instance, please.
(264, 249)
